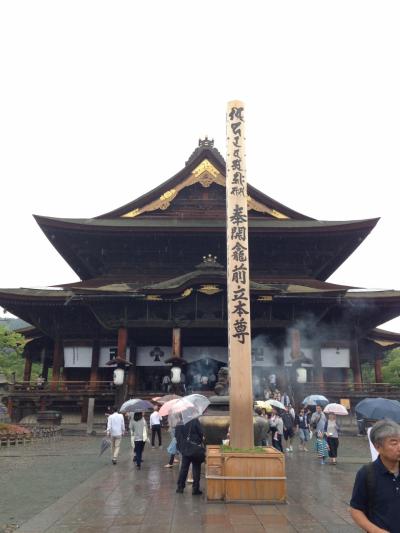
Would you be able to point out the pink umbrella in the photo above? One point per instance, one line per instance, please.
(167, 398)
(336, 409)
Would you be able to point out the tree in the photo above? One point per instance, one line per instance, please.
(391, 367)
(11, 360)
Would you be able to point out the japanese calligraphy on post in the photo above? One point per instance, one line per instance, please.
(239, 327)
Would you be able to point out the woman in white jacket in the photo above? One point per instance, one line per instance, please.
(139, 432)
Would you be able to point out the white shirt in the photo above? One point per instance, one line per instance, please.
(116, 425)
(155, 419)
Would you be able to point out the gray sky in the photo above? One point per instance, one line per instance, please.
(102, 101)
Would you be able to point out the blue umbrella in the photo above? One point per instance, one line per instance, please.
(136, 406)
(378, 408)
(316, 399)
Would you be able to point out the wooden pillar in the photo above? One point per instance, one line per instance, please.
(176, 342)
(95, 364)
(58, 361)
(238, 282)
(295, 343)
(318, 369)
(27, 368)
(122, 342)
(378, 369)
(355, 365)
(132, 370)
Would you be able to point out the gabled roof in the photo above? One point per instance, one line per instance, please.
(205, 166)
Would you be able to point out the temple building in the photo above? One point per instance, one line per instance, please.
(152, 285)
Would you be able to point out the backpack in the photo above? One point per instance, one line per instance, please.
(369, 470)
(287, 420)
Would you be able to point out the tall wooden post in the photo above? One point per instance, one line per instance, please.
(58, 360)
(239, 327)
(27, 367)
(95, 364)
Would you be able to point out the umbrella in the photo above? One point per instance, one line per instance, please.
(336, 409)
(378, 408)
(105, 443)
(183, 410)
(166, 407)
(136, 406)
(264, 405)
(315, 399)
(275, 403)
(167, 398)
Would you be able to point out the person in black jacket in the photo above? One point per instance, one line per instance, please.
(192, 430)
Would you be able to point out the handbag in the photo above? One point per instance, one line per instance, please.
(172, 447)
(193, 450)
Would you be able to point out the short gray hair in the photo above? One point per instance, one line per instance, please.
(382, 430)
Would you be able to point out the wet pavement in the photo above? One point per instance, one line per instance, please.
(64, 486)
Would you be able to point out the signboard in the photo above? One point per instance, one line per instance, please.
(77, 356)
(110, 352)
(152, 355)
(335, 357)
(304, 361)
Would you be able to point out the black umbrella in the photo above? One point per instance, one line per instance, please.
(378, 408)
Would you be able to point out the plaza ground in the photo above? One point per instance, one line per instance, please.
(64, 486)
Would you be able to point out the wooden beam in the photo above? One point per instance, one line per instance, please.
(238, 293)
(132, 370)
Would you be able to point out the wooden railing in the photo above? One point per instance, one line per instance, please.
(62, 387)
(344, 390)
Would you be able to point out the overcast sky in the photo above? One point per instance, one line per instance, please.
(102, 101)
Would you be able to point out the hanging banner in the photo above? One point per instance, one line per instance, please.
(239, 332)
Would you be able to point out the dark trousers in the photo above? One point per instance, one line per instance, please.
(138, 450)
(333, 443)
(171, 459)
(277, 443)
(185, 464)
(156, 429)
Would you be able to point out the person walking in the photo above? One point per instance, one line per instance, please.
(191, 431)
(288, 429)
(139, 436)
(332, 437)
(155, 426)
(318, 420)
(276, 426)
(303, 428)
(172, 450)
(115, 430)
(261, 428)
(374, 504)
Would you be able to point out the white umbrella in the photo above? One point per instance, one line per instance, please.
(275, 403)
(336, 409)
(136, 405)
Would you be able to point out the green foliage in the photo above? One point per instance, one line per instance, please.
(11, 360)
(229, 449)
(391, 367)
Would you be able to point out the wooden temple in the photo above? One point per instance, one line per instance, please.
(152, 285)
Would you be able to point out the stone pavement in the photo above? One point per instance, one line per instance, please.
(66, 487)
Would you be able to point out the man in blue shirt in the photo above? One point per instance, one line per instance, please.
(375, 503)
